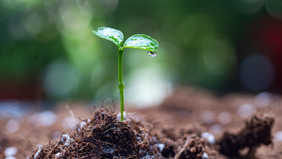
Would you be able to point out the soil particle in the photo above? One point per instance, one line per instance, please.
(104, 136)
(256, 132)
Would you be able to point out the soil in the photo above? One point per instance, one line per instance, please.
(105, 136)
(256, 132)
(189, 124)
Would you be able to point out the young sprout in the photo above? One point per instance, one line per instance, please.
(137, 41)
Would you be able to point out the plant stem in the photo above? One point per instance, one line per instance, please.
(120, 83)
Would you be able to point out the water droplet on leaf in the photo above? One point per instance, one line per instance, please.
(152, 54)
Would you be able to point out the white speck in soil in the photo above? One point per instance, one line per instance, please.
(58, 155)
(245, 110)
(82, 124)
(10, 151)
(278, 136)
(205, 156)
(209, 137)
(148, 157)
(108, 150)
(224, 118)
(66, 139)
(161, 147)
(38, 152)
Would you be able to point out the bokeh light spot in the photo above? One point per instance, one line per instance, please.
(256, 73)
(60, 80)
(147, 87)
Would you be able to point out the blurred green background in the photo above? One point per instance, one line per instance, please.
(48, 52)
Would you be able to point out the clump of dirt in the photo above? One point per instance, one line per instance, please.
(257, 132)
(184, 143)
(102, 136)
(168, 148)
(194, 148)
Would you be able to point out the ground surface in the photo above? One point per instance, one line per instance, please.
(191, 123)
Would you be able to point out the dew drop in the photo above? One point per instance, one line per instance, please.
(152, 54)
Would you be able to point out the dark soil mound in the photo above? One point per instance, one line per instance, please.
(103, 136)
(257, 131)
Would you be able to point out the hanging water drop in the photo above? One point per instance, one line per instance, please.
(152, 53)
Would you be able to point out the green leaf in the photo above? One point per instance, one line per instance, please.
(110, 34)
(141, 41)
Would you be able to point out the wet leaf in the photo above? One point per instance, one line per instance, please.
(110, 34)
(141, 41)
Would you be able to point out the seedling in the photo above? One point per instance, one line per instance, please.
(137, 41)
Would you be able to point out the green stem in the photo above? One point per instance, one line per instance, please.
(120, 83)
